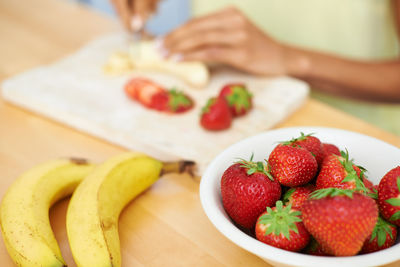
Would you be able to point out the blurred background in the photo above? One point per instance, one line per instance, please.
(170, 14)
(376, 38)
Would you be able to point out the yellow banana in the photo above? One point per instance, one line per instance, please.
(24, 211)
(92, 216)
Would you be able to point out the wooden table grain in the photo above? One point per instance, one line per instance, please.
(166, 226)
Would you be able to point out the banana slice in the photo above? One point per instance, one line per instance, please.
(24, 211)
(93, 212)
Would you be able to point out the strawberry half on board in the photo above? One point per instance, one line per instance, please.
(339, 219)
(154, 96)
(292, 165)
(238, 98)
(383, 236)
(282, 227)
(142, 90)
(340, 172)
(171, 101)
(216, 115)
(389, 196)
(247, 189)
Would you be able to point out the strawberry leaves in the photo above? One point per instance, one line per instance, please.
(178, 99)
(395, 202)
(331, 192)
(239, 98)
(281, 220)
(253, 167)
(294, 140)
(381, 229)
(351, 172)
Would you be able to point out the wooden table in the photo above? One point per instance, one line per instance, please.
(164, 227)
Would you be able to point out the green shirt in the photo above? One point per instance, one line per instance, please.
(356, 29)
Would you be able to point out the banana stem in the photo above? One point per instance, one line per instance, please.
(181, 166)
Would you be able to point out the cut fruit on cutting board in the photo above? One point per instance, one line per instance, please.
(75, 91)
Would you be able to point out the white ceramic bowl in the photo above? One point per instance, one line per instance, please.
(376, 156)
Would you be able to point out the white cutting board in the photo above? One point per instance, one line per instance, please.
(76, 92)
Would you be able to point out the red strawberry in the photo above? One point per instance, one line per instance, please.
(328, 149)
(246, 189)
(171, 101)
(282, 227)
(216, 115)
(340, 172)
(389, 196)
(314, 248)
(297, 195)
(142, 90)
(309, 142)
(238, 97)
(340, 220)
(292, 165)
(383, 236)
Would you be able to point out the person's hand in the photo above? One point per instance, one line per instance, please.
(226, 37)
(134, 13)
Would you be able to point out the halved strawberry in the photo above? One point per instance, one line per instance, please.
(154, 96)
(216, 115)
(238, 97)
(389, 196)
(171, 101)
(282, 227)
(383, 236)
(142, 90)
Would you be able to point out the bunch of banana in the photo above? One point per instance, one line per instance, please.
(24, 211)
(92, 216)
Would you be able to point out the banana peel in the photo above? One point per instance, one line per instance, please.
(94, 209)
(24, 210)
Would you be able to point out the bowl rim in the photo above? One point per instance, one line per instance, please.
(210, 205)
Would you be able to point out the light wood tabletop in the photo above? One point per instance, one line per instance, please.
(166, 226)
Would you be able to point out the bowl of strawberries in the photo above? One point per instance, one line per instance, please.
(308, 196)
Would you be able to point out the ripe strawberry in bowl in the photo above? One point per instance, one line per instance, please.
(296, 196)
(383, 236)
(389, 196)
(292, 165)
(310, 143)
(239, 99)
(282, 227)
(364, 149)
(340, 172)
(339, 219)
(247, 189)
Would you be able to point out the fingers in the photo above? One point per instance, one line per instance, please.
(135, 13)
(210, 38)
(124, 11)
(224, 20)
(226, 55)
(221, 28)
